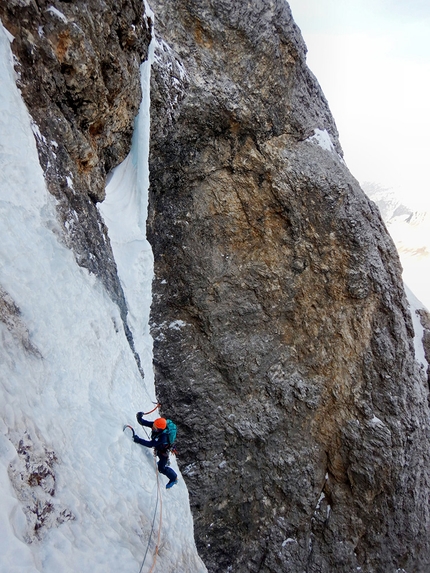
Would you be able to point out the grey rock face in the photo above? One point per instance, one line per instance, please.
(78, 71)
(283, 344)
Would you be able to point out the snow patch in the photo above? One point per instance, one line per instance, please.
(287, 541)
(177, 324)
(323, 139)
(320, 499)
(36, 131)
(57, 13)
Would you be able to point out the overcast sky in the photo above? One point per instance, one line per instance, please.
(372, 60)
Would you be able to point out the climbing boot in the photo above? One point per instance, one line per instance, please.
(171, 483)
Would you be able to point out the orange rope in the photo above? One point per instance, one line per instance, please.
(153, 410)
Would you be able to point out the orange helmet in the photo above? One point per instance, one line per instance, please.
(160, 423)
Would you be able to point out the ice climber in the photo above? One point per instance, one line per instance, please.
(160, 442)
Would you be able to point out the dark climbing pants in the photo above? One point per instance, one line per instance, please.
(164, 469)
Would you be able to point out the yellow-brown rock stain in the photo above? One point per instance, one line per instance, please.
(254, 230)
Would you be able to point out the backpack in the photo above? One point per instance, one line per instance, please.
(171, 431)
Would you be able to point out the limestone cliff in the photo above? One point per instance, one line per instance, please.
(283, 342)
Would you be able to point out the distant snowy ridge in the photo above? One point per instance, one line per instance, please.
(76, 494)
(410, 231)
(415, 305)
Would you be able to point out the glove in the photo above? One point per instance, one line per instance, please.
(136, 439)
(139, 417)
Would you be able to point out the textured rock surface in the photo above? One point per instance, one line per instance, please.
(78, 71)
(283, 344)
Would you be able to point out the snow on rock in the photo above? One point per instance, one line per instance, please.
(177, 324)
(375, 421)
(323, 139)
(57, 13)
(77, 495)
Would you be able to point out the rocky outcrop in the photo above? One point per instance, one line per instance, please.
(32, 474)
(10, 315)
(78, 66)
(283, 342)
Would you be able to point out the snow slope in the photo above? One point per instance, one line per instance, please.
(68, 382)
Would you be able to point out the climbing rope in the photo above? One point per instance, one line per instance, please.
(150, 535)
(153, 409)
(159, 498)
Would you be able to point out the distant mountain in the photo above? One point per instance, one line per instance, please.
(389, 204)
(410, 231)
